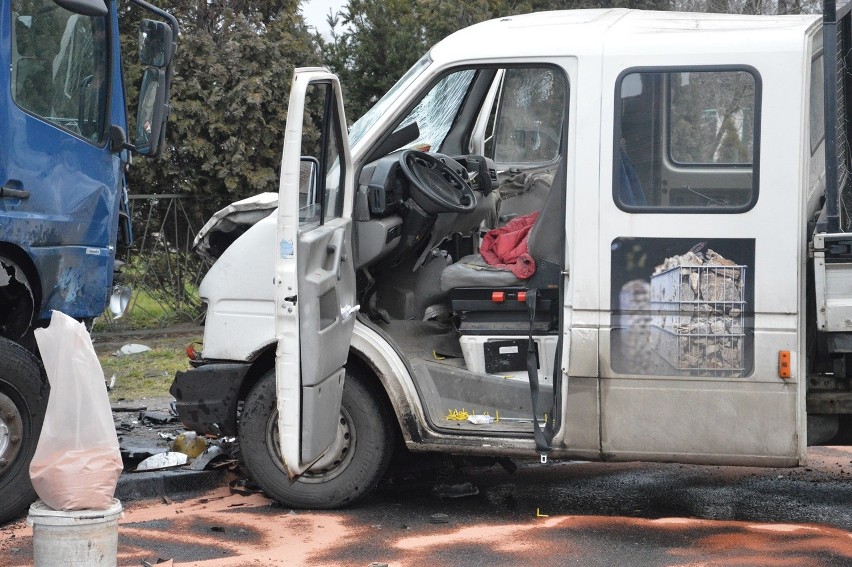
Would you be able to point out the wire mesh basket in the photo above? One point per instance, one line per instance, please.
(698, 318)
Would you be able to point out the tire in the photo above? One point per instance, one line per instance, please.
(365, 445)
(23, 399)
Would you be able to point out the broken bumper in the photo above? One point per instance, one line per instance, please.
(207, 397)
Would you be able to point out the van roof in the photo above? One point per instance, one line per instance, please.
(631, 32)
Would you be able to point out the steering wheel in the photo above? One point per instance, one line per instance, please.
(434, 185)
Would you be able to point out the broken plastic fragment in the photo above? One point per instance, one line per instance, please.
(480, 419)
(209, 455)
(132, 349)
(348, 310)
(162, 461)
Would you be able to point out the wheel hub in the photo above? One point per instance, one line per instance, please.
(11, 432)
(336, 458)
(338, 450)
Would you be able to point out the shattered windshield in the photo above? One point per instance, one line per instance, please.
(363, 124)
(435, 114)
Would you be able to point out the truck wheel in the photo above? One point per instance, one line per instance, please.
(354, 464)
(23, 399)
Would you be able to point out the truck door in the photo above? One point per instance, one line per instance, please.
(691, 358)
(314, 274)
(60, 181)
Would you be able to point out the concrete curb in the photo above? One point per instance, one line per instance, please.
(176, 484)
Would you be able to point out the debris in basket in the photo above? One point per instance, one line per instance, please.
(699, 301)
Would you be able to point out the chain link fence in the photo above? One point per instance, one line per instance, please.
(160, 266)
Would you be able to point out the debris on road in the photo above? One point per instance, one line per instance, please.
(190, 444)
(127, 409)
(132, 348)
(157, 417)
(160, 461)
(439, 519)
(201, 462)
(244, 487)
(461, 490)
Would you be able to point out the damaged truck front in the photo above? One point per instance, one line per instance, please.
(608, 235)
(63, 201)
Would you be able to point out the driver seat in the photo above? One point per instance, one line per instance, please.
(546, 246)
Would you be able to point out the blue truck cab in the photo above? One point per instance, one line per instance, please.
(65, 146)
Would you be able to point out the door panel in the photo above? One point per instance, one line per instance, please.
(698, 307)
(323, 300)
(314, 275)
(54, 151)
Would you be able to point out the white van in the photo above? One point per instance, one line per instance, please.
(581, 234)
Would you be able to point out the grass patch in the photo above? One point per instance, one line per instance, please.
(147, 374)
(144, 312)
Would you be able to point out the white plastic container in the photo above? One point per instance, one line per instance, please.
(77, 537)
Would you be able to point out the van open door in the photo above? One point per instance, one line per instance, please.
(314, 275)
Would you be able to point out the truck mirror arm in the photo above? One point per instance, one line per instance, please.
(118, 140)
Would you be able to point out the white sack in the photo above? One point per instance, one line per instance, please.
(77, 461)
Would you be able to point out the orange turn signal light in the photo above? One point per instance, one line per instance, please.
(784, 370)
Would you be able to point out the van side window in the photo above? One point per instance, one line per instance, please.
(321, 174)
(686, 140)
(528, 123)
(59, 66)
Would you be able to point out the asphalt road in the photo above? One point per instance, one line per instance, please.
(562, 513)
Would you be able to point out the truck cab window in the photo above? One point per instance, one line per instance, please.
(59, 66)
(687, 140)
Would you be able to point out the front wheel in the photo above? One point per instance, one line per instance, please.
(23, 399)
(350, 469)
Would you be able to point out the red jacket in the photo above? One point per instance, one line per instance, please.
(506, 247)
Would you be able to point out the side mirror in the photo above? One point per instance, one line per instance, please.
(151, 115)
(84, 7)
(155, 43)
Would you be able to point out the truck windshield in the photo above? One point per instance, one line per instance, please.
(59, 66)
(363, 124)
